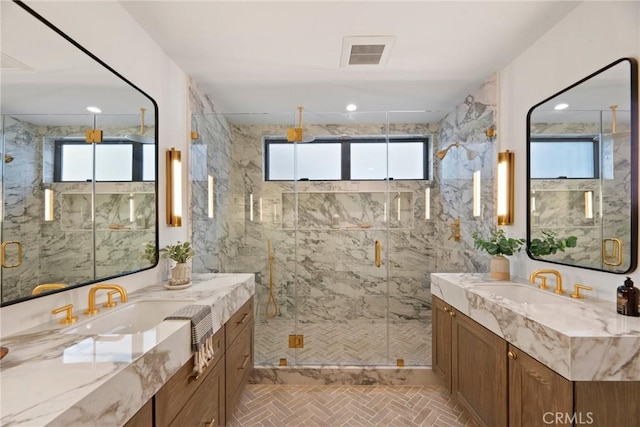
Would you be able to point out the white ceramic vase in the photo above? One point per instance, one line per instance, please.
(500, 268)
(180, 274)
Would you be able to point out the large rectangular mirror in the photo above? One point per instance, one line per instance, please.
(582, 171)
(74, 211)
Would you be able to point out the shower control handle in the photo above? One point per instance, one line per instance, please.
(378, 247)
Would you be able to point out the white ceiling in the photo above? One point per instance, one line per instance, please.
(270, 57)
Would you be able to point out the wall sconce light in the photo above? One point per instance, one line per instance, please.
(174, 188)
(48, 204)
(427, 203)
(505, 187)
(477, 205)
(588, 204)
(132, 208)
(210, 197)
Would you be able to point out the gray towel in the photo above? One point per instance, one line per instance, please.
(201, 333)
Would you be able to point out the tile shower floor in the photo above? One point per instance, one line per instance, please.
(353, 406)
(352, 342)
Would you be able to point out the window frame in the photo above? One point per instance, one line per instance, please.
(137, 159)
(593, 139)
(345, 154)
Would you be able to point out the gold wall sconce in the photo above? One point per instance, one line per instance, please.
(174, 188)
(505, 187)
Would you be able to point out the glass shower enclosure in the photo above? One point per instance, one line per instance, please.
(336, 228)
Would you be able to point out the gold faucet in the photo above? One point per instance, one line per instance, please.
(47, 287)
(91, 310)
(543, 284)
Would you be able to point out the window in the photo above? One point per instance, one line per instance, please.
(553, 158)
(115, 161)
(357, 158)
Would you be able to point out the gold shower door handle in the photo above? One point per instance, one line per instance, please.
(612, 257)
(3, 253)
(378, 253)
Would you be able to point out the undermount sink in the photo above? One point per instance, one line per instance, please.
(128, 318)
(523, 293)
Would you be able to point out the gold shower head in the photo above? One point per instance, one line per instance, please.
(441, 154)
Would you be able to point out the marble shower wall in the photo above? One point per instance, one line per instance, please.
(62, 250)
(453, 180)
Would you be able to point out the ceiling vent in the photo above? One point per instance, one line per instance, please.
(366, 50)
(8, 63)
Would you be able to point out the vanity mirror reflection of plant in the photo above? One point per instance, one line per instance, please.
(550, 243)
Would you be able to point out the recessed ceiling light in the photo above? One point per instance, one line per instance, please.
(561, 106)
(94, 109)
(351, 107)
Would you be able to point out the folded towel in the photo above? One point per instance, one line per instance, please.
(201, 333)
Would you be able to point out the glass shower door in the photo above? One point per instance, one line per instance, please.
(341, 229)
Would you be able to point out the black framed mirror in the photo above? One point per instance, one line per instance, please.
(582, 172)
(74, 212)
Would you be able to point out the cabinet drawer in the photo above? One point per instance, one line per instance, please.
(143, 418)
(206, 407)
(176, 392)
(241, 318)
(240, 359)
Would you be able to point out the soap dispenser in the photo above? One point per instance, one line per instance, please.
(627, 301)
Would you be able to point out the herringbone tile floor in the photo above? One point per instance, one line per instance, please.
(352, 406)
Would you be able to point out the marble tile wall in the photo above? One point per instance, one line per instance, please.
(61, 251)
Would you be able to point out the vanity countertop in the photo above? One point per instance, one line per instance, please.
(59, 379)
(584, 340)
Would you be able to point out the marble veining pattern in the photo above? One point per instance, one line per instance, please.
(58, 379)
(581, 340)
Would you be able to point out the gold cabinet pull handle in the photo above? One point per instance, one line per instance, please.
(212, 423)
(241, 321)
(452, 313)
(512, 355)
(378, 247)
(3, 253)
(244, 362)
(445, 309)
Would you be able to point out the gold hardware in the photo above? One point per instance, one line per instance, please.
(70, 318)
(452, 313)
(543, 284)
(244, 362)
(142, 110)
(614, 257)
(91, 310)
(174, 187)
(445, 309)
(241, 321)
(296, 341)
(93, 135)
(505, 179)
(194, 135)
(212, 423)
(471, 154)
(47, 287)
(490, 133)
(110, 302)
(536, 273)
(576, 290)
(8, 158)
(400, 363)
(512, 355)
(283, 361)
(455, 230)
(378, 255)
(3, 255)
(295, 134)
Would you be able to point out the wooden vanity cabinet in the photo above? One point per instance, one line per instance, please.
(239, 353)
(497, 383)
(142, 418)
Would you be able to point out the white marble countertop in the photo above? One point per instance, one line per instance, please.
(51, 378)
(582, 340)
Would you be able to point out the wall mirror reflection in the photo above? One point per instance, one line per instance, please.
(76, 208)
(582, 171)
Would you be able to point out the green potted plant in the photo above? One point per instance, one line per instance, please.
(499, 246)
(550, 243)
(180, 253)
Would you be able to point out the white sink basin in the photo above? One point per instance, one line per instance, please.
(128, 318)
(523, 293)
